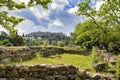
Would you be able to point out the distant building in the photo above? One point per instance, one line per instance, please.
(47, 35)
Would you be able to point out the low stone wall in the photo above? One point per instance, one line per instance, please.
(20, 54)
(48, 51)
(41, 72)
(48, 72)
(7, 55)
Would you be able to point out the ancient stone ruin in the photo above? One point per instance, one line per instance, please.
(41, 72)
(48, 72)
(8, 55)
(21, 54)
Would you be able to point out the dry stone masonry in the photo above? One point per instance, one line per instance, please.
(48, 72)
(48, 51)
(8, 55)
(20, 54)
(40, 72)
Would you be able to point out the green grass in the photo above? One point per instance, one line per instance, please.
(80, 61)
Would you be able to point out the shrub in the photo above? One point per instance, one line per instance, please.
(46, 43)
(94, 55)
(118, 68)
(112, 47)
(54, 43)
(5, 41)
(17, 40)
(9, 44)
(61, 43)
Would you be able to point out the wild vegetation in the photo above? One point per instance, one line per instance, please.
(98, 34)
(80, 61)
(9, 22)
(101, 28)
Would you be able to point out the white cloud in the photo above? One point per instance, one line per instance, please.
(98, 4)
(55, 23)
(73, 10)
(53, 19)
(25, 27)
(39, 12)
(59, 4)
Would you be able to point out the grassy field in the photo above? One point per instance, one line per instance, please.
(80, 61)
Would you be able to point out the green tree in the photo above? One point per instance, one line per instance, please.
(102, 26)
(17, 40)
(46, 43)
(72, 38)
(35, 42)
(61, 43)
(9, 22)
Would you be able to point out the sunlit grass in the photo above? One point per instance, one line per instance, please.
(13, 47)
(80, 61)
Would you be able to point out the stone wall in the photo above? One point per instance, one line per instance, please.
(7, 55)
(40, 72)
(48, 51)
(20, 54)
(48, 72)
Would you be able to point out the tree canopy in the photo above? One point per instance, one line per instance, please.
(102, 27)
(9, 22)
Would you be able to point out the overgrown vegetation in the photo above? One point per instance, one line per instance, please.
(80, 61)
(118, 69)
(101, 28)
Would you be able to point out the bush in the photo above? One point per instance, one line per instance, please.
(5, 41)
(112, 47)
(118, 68)
(9, 44)
(46, 43)
(94, 55)
(17, 40)
(54, 43)
(61, 43)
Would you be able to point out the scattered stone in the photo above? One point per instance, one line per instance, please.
(99, 67)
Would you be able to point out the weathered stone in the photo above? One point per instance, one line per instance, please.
(2, 71)
(102, 66)
(85, 75)
(7, 55)
(113, 62)
(59, 77)
(44, 72)
(96, 76)
(49, 78)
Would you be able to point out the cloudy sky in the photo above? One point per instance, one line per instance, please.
(60, 17)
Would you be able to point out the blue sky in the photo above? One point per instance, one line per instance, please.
(60, 17)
